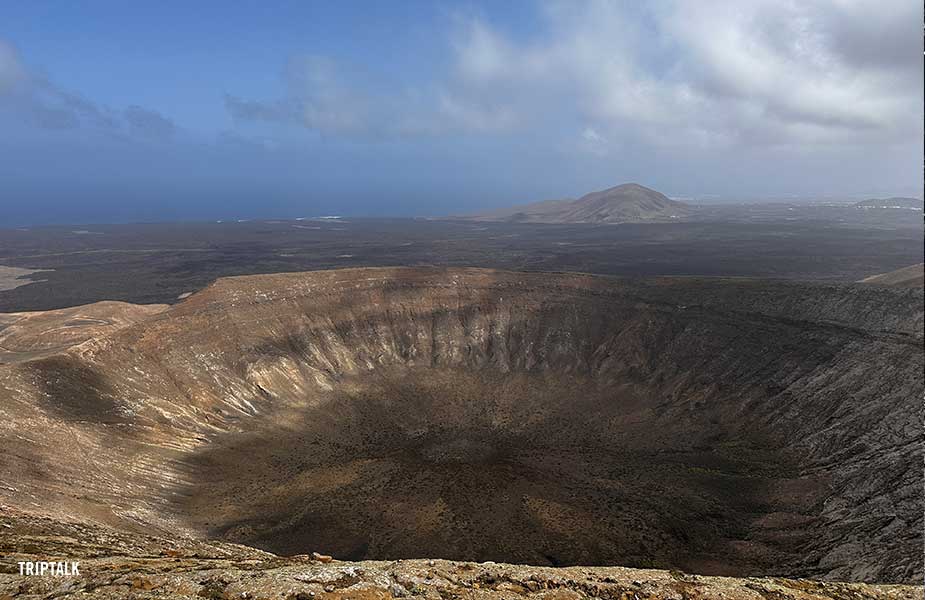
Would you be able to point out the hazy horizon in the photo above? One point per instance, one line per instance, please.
(130, 113)
(358, 212)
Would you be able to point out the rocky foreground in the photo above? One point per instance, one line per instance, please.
(114, 564)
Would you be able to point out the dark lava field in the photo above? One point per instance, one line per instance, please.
(156, 263)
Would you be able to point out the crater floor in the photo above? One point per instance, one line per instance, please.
(539, 468)
(727, 427)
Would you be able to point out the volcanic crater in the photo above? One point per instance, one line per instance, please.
(734, 427)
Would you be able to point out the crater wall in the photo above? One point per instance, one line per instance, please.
(719, 426)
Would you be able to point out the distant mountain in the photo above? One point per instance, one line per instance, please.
(912, 276)
(885, 203)
(627, 203)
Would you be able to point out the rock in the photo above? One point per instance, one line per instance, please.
(507, 586)
(143, 583)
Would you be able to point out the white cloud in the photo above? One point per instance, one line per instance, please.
(334, 99)
(710, 72)
(35, 99)
(704, 73)
(11, 71)
(591, 135)
(148, 123)
(594, 143)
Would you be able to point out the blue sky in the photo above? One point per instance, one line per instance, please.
(114, 111)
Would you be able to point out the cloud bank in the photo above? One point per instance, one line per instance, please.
(704, 73)
(27, 94)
